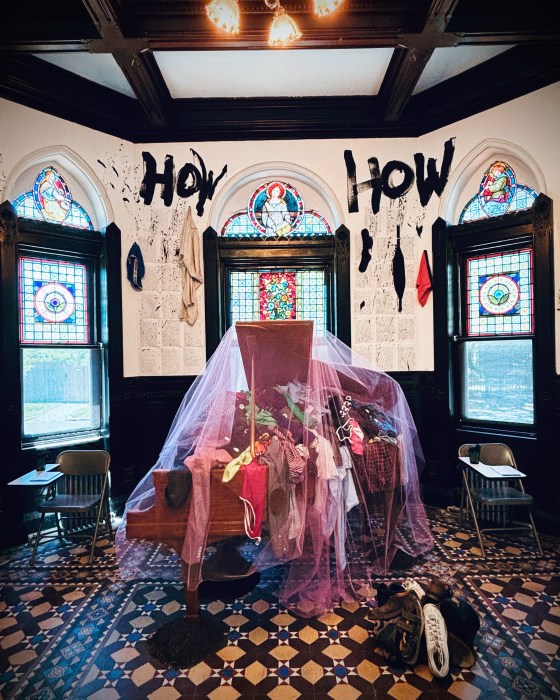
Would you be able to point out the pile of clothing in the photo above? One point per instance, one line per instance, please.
(293, 440)
(412, 623)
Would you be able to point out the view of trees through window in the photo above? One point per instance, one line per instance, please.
(61, 390)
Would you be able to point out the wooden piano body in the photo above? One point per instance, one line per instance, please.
(273, 353)
(168, 525)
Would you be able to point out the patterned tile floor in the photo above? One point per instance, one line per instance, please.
(71, 630)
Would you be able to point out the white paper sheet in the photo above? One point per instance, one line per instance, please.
(494, 471)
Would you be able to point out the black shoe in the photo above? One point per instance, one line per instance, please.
(179, 486)
(384, 592)
(392, 608)
(437, 591)
(403, 637)
(461, 619)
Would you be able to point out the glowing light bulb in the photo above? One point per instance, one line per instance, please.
(283, 29)
(224, 14)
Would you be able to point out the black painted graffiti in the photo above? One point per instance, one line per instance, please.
(399, 273)
(190, 180)
(382, 181)
(367, 245)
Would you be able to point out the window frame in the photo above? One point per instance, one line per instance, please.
(223, 253)
(46, 240)
(518, 229)
(92, 265)
(460, 336)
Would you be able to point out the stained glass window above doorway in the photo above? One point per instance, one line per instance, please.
(276, 210)
(499, 193)
(277, 294)
(50, 200)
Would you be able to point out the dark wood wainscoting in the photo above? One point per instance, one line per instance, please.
(148, 405)
(145, 411)
(145, 407)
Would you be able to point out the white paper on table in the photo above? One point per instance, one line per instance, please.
(494, 471)
(44, 476)
(506, 470)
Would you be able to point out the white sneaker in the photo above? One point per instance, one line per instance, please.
(436, 641)
(411, 585)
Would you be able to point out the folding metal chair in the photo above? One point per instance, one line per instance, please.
(80, 500)
(492, 494)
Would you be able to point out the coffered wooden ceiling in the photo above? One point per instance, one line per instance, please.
(157, 70)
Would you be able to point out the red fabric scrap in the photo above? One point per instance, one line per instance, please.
(424, 282)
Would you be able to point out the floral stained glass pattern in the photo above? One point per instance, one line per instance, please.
(499, 193)
(53, 301)
(251, 293)
(277, 295)
(500, 294)
(51, 200)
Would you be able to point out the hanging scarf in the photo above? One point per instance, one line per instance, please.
(191, 270)
(424, 282)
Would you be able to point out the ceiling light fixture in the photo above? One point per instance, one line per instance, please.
(283, 30)
(224, 14)
(325, 7)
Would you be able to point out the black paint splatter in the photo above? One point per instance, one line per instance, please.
(101, 163)
(419, 229)
(367, 245)
(399, 273)
(362, 305)
(115, 171)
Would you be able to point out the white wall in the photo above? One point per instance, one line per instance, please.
(156, 342)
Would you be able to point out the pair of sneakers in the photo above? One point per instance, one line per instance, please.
(435, 629)
(412, 619)
(448, 621)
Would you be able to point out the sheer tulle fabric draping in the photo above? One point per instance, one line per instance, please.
(330, 487)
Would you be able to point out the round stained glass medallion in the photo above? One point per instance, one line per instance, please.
(499, 294)
(54, 302)
(275, 209)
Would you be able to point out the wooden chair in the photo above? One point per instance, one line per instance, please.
(81, 498)
(492, 494)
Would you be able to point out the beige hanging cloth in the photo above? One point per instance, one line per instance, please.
(191, 270)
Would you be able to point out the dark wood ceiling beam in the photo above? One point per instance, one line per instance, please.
(40, 85)
(133, 58)
(522, 70)
(403, 72)
(144, 76)
(410, 59)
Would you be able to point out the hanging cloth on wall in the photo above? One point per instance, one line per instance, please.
(424, 282)
(399, 274)
(191, 270)
(135, 267)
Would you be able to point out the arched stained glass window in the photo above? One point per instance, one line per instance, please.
(276, 210)
(498, 194)
(51, 200)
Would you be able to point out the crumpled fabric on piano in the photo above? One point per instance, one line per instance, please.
(338, 499)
